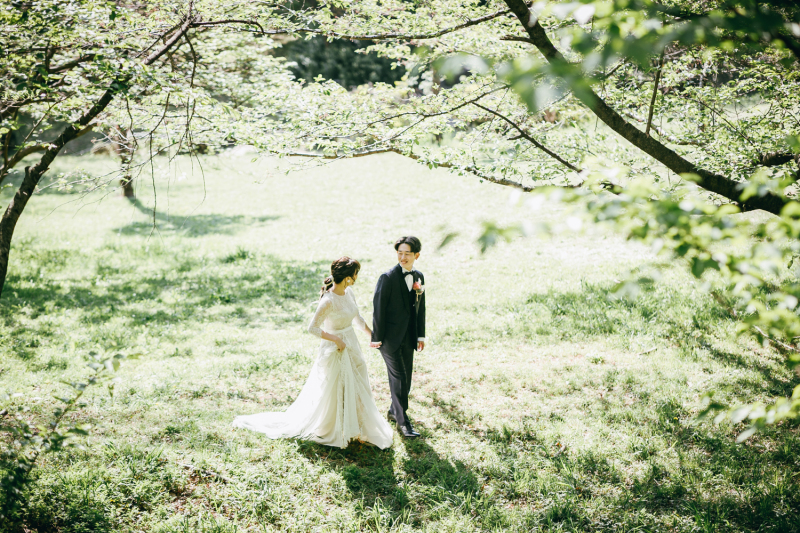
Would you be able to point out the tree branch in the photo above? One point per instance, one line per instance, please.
(662, 133)
(774, 159)
(71, 64)
(790, 42)
(22, 153)
(172, 40)
(655, 93)
(19, 156)
(516, 38)
(439, 113)
(470, 168)
(9, 164)
(733, 129)
(48, 55)
(33, 174)
(386, 36)
(528, 138)
(229, 21)
(159, 39)
(194, 58)
(708, 180)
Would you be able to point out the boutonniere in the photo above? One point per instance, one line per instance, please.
(418, 288)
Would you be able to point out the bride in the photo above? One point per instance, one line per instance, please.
(336, 404)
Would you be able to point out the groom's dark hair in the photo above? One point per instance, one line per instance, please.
(413, 242)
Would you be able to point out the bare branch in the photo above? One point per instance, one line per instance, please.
(48, 55)
(8, 164)
(230, 21)
(440, 113)
(469, 168)
(613, 70)
(528, 138)
(194, 58)
(386, 36)
(782, 346)
(671, 138)
(788, 41)
(733, 129)
(655, 93)
(20, 155)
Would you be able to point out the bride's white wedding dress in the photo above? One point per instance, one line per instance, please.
(336, 403)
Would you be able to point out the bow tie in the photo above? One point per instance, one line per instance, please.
(410, 273)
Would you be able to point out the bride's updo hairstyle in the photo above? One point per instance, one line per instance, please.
(344, 267)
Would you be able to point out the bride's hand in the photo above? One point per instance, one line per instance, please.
(340, 344)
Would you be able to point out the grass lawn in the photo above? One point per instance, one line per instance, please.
(544, 404)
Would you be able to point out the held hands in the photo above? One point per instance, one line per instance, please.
(420, 345)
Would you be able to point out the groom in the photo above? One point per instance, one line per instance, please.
(398, 326)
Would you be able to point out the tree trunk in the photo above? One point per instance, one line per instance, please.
(123, 146)
(127, 187)
(34, 174)
(710, 181)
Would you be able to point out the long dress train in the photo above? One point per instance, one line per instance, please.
(335, 405)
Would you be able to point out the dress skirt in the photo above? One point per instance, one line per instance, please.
(335, 405)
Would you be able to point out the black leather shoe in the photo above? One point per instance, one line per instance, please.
(406, 431)
(391, 417)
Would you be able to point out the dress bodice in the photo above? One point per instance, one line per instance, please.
(336, 405)
(336, 312)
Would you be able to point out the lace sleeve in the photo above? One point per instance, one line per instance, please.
(324, 307)
(360, 322)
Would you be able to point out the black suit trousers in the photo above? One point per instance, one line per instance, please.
(399, 366)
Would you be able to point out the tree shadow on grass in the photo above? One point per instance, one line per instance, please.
(556, 511)
(368, 473)
(691, 322)
(370, 476)
(752, 494)
(270, 279)
(282, 291)
(190, 225)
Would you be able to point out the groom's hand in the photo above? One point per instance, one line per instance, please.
(375, 344)
(420, 346)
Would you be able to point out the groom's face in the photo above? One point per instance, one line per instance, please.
(406, 257)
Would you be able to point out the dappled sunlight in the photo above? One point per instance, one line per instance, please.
(545, 401)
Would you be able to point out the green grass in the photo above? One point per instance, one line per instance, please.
(545, 403)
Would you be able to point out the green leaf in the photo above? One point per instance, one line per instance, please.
(746, 434)
(453, 66)
(739, 414)
(447, 239)
(794, 143)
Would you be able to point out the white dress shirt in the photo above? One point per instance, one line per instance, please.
(409, 284)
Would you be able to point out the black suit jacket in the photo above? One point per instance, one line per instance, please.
(393, 307)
